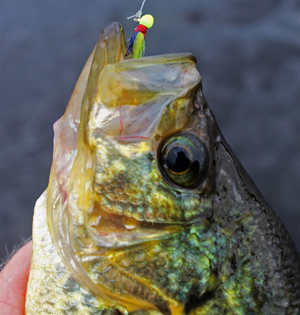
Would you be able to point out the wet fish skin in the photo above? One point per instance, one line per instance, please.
(218, 248)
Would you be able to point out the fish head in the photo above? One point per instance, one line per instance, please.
(132, 208)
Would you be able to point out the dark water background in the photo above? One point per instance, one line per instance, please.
(248, 54)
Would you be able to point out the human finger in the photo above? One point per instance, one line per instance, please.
(13, 282)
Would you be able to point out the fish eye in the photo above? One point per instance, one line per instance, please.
(184, 160)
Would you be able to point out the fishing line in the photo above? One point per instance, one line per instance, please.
(139, 13)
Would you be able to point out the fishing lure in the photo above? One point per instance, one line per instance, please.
(136, 47)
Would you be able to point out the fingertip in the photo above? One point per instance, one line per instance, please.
(13, 282)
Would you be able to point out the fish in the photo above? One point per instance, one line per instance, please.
(148, 210)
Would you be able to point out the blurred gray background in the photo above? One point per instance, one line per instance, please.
(248, 54)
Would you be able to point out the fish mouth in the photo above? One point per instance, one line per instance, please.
(116, 231)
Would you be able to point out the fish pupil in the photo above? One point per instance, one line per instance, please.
(178, 160)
